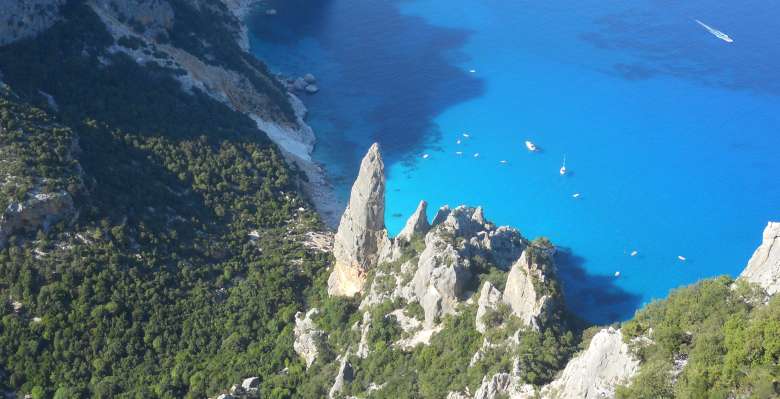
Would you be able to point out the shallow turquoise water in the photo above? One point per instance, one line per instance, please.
(670, 134)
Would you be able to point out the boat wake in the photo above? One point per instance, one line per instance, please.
(720, 35)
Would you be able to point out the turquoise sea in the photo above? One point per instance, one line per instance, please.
(671, 135)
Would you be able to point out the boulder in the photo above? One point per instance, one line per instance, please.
(596, 372)
(307, 336)
(361, 233)
(309, 78)
(312, 88)
(763, 268)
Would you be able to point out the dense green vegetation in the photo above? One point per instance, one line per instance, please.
(731, 343)
(35, 152)
(156, 289)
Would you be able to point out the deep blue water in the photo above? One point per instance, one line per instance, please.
(670, 134)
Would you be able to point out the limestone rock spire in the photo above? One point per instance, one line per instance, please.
(361, 233)
(416, 224)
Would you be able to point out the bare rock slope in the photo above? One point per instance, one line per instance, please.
(763, 268)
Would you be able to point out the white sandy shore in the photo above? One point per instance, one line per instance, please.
(296, 142)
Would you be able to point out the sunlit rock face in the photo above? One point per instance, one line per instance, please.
(763, 268)
(361, 233)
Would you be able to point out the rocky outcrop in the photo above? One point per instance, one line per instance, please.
(592, 374)
(361, 233)
(417, 224)
(307, 336)
(38, 211)
(21, 19)
(343, 376)
(525, 285)
(489, 298)
(763, 268)
(596, 372)
(440, 278)
(492, 387)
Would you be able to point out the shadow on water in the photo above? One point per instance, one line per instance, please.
(396, 73)
(595, 298)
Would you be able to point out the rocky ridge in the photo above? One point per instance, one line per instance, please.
(593, 373)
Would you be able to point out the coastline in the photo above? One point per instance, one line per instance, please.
(295, 142)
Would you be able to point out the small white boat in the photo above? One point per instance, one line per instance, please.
(472, 70)
(720, 35)
(459, 153)
(530, 146)
(562, 171)
(466, 135)
(576, 195)
(503, 161)
(425, 156)
(457, 141)
(617, 274)
(476, 155)
(634, 253)
(682, 258)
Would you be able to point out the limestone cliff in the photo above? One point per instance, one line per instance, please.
(763, 268)
(361, 233)
(524, 292)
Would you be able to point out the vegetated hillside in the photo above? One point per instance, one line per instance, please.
(153, 243)
(714, 339)
(178, 264)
